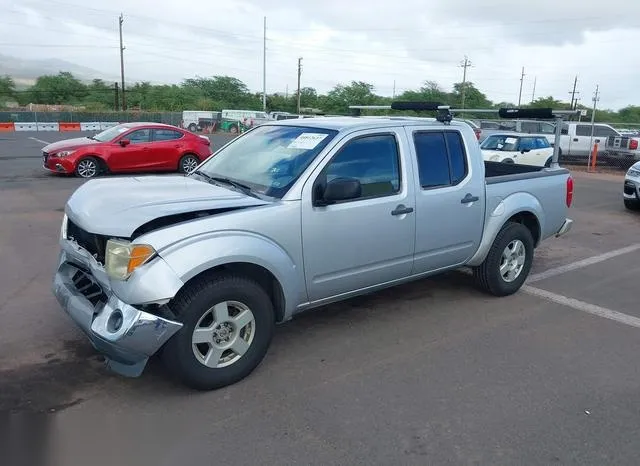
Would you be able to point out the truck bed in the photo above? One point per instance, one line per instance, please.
(499, 172)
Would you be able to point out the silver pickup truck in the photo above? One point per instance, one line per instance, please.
(290, 216)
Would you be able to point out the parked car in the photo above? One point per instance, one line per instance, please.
(531, 127)
(631, 189)
(576, 137)
(517, 148)
(129, 147)
(196, 120)
(290, 216)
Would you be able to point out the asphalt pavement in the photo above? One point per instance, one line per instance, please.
(433, 372)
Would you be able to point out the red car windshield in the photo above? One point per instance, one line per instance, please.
(110, 134)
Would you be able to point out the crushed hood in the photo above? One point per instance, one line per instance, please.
(118, 206)
(67, 144)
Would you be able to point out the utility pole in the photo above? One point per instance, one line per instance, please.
(464, 65)
(116, 101)
(596, 98)
(124, 103)
(394, 89)
(573, 93)
(264, 66)
(286, 92)
(533, 93)
(521, 82)
(299, 73)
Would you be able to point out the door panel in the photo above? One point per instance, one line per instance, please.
(359, 243)
(450, 201)
(134, 156)
(166, 147)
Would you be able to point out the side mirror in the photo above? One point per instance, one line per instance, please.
(525, 150)
(340, 189)
(124, 142)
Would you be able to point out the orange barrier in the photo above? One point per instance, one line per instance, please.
(594, 156)
(5, 127)
(69, 126)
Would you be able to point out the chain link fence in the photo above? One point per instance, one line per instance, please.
(170, 118)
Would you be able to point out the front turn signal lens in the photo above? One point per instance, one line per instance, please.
(123, 257)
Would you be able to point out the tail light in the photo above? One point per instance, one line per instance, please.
(569, 199)
(633, 144)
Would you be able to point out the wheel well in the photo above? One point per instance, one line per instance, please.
(530, 221)
(101, 162)
(184, 155)
(255, 272)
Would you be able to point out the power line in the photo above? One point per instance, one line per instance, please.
(596, 98)
(573, 93)
(464, 65)
(533, 93)
(522, 75)
(299, 74)
(124, 103)
(264, 66)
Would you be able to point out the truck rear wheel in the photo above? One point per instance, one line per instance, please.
(228, 326)
(508, 263)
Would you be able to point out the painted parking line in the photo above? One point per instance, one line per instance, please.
(582, 263)
(39, 140)
(583, 306)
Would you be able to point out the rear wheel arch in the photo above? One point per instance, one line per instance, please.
(529, 220)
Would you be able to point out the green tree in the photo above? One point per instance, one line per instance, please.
(357, 93)
(63, 88)
(473, 98)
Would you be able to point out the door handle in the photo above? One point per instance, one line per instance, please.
(575, 139)
(402, 209)
(598, 141)
(469, 198)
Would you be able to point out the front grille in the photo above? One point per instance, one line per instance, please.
(629, 188)
(95, 244)
(88, 287)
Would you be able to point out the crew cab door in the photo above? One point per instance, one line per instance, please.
(367, 240)
(135, 155)
(450, 198)
(166, 147)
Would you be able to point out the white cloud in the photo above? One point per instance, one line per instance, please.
(379, 42)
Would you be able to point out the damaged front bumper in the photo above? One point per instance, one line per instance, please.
(125, 335)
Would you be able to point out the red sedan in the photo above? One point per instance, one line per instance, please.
(129, 147)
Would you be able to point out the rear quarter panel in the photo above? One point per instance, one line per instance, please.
(542, 194)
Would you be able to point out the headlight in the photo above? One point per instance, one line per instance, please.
(634, 172)
(63, 153)
(63, 227)
(123, 257)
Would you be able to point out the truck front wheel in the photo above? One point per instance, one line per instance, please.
(508, 263)
(228, 326)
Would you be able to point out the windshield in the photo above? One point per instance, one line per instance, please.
(269, 159)
(110, 134)
(502, 143)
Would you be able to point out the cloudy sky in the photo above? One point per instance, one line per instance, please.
(407, 41)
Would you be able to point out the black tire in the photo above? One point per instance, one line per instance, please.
(187, 161)
(487, 274)
(194, 302)
(632, 204)
(192, 127)
(88, 167)
(233, 129)
(547, 164)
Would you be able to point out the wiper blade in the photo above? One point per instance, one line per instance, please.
(237, 184)
(203, 174)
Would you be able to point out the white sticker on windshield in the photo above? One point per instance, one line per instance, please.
(307, 141)
(510, 140)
